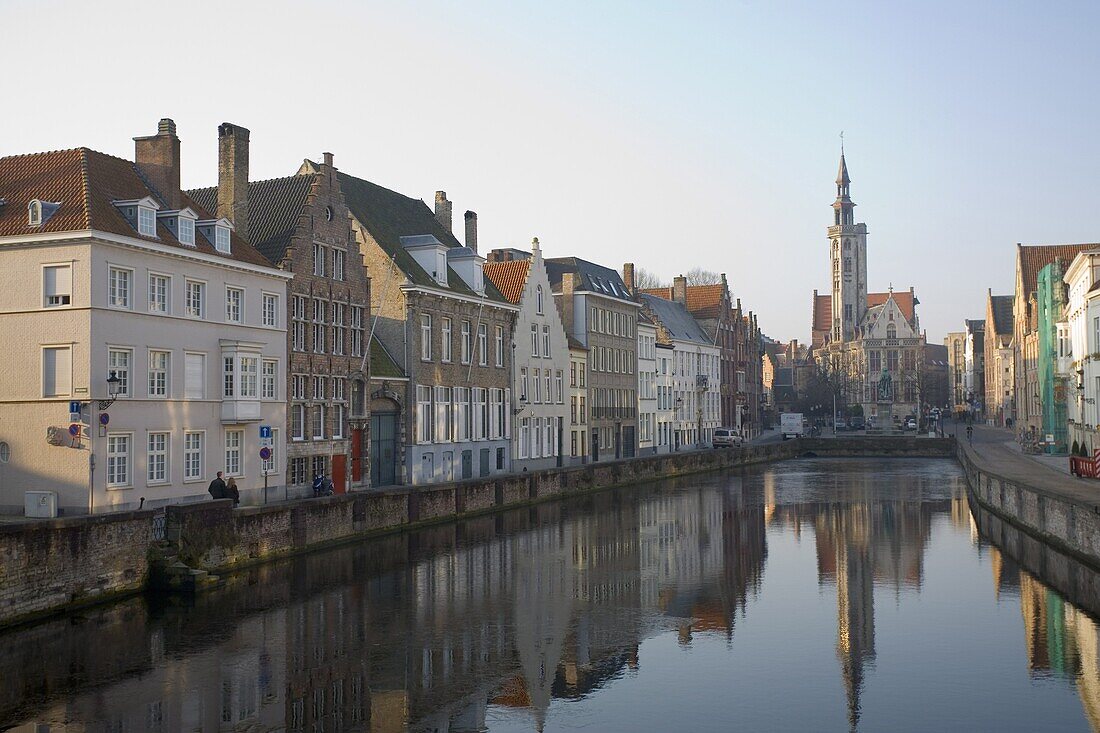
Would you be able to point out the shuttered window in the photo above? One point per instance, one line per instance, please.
(57, 371)
(194, 376)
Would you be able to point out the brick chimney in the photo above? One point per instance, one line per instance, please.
(443, 209)
(158, 159)
(233, 176)
(471, 230)
(628, 277)
(680, 289)
(569, 282)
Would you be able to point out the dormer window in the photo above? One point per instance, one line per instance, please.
(147, 221)
(39, 212)
(181, 224)
(142, 214)
(221, 238)
(186, 231)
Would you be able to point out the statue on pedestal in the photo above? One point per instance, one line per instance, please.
(885, 387)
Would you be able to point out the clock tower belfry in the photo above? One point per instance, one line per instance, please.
(848, 262)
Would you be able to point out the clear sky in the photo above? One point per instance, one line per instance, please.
(673, 135)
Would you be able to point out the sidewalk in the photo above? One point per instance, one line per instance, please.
(996, 451)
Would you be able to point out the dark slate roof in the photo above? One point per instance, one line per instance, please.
(935, 354)
(86, 183)
(676, 319)
(388, 216)
(1001, 305)
(274, 207)
(382, 365)
(594, 278)
(974, 325)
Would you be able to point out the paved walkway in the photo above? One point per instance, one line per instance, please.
(996, 451)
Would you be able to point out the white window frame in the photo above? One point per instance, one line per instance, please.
(467, 345)
(156, 458)
(318, 259)
(300, 408)
(269, 379)
(499, 345)
(185, 225)
(546, 342)
(193, 457)
(482, 344)
(124, 373)
(159, 388)
(191, 289)
(269, 309)
(119, 461)
(202, 378)
(163, 303)
(339, 415)
(233, 292)
(446, 340)
(147, 221)
(317, 421)
(120, 287)
(222, 239)
(233, 445)
(339, 257)
(425, 337)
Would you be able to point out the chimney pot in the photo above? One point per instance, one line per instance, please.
(443, 210)
(158, 159)
(471, 229)
(628, 277)
(233, 176)
(328, 159)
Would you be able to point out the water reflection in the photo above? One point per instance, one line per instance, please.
(536, 618)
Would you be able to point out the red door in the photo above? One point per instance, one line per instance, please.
(339, 474)
(357, 455)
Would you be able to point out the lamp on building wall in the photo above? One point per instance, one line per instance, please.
(113, 384)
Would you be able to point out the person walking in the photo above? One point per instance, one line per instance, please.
(232, 492)
(217, 487)
(970, 433)
(318, 484)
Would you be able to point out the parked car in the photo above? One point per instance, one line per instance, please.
(839, 424)
(856, 423)
(727, 438)
(910, 423)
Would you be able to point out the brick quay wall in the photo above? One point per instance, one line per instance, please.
(53, 566)
(1069, 523)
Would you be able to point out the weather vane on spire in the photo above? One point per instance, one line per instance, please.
(842, 142)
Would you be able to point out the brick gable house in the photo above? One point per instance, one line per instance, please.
(302, 225)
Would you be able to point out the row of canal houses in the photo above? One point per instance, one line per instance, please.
(1033, 363)
(321, 324)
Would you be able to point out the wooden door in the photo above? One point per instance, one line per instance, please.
(340, 473)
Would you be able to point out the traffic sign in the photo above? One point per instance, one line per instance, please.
(265, 432)
(74, 430)
(265, 453)
(104, 418)
(74, 407)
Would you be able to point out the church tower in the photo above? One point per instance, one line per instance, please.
(848, 258)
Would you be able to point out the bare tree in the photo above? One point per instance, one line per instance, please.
(644, 279)
(699, 276)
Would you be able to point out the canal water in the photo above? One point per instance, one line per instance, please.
(810, 595)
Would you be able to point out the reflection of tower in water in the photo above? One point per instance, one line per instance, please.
(855, 642)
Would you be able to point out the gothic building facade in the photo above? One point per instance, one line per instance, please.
(870, 343)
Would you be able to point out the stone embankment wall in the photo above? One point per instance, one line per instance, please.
(1069, 525)
(66, 563)
(51, 566)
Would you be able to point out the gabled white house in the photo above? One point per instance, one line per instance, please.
(540, 359)
(1082, 315)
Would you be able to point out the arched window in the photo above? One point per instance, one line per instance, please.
(34, 213)
(538, 300)
(891, 331)
(847, 264)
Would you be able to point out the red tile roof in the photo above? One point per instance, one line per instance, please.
(509, 277)
(703, 301)
(823, 307)
(1033, 257)
(904, 298)
(86, 183)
